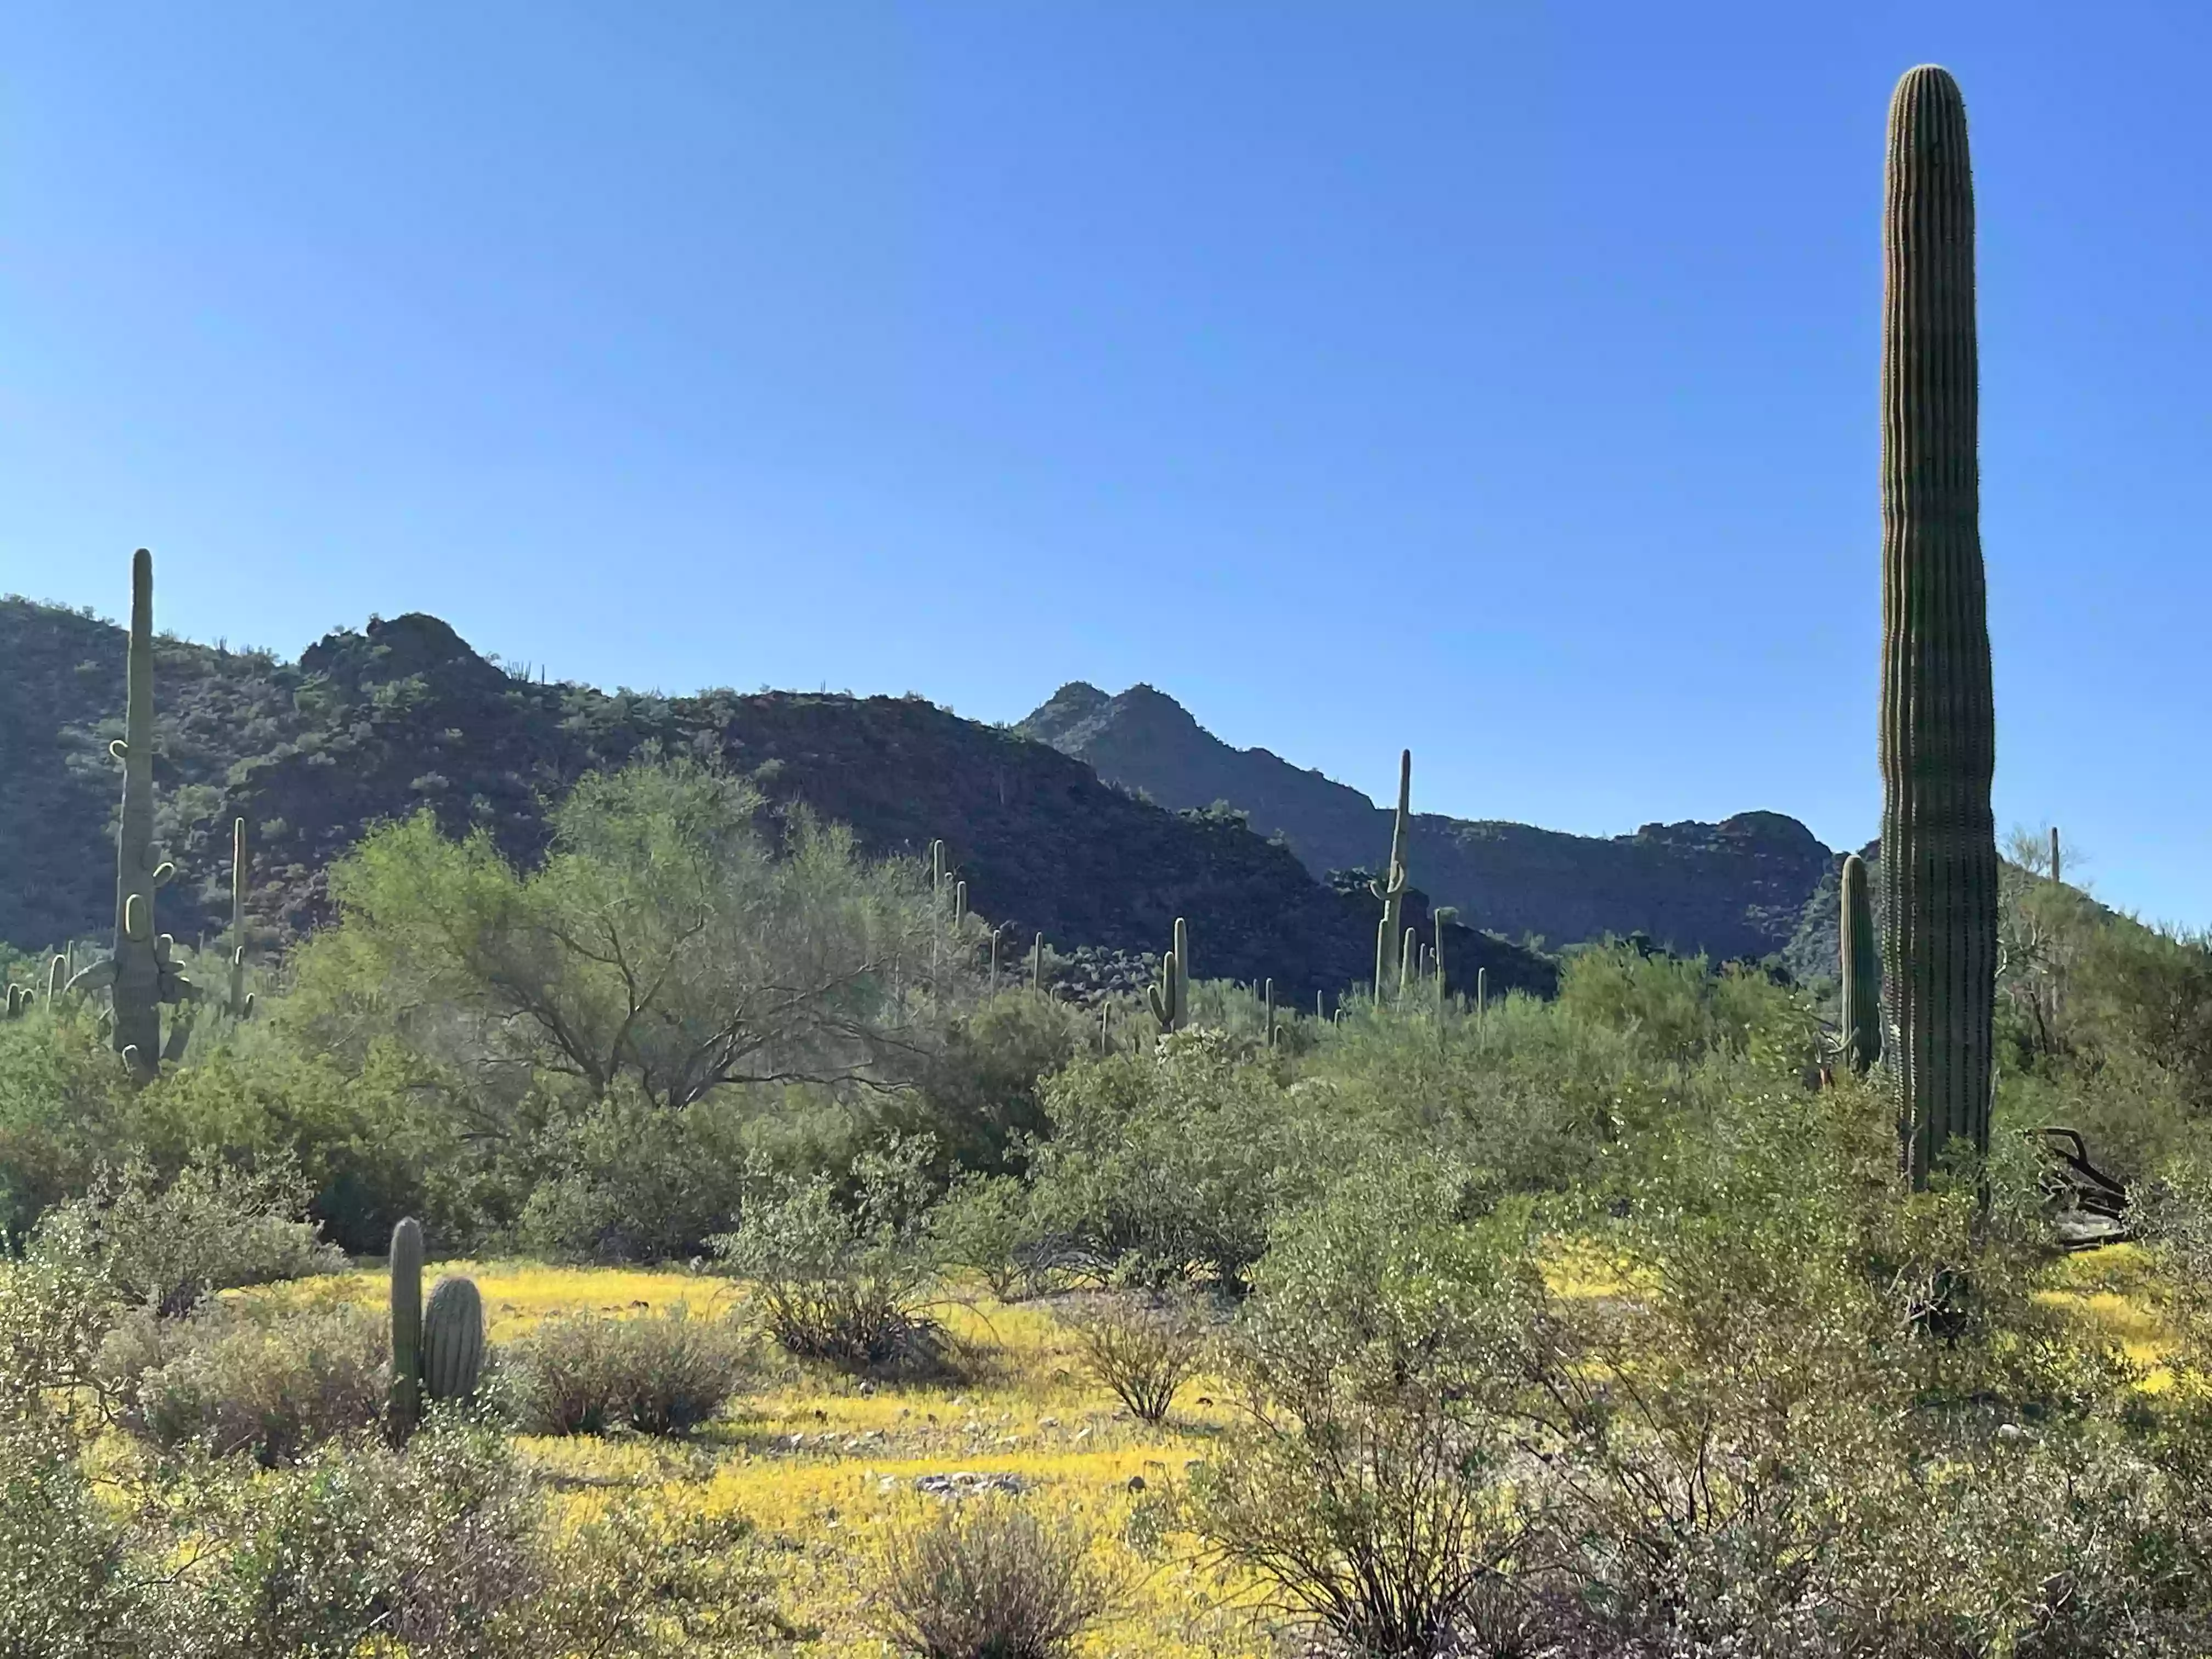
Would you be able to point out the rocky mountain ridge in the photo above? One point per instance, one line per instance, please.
(1739, 888)
(403, 715)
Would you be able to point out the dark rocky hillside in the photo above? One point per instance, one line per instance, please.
(372, 725)
(1738, 888)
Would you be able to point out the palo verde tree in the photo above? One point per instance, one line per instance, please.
(674, 939)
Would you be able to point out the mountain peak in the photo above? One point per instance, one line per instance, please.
(399, 648)
(1731, 889)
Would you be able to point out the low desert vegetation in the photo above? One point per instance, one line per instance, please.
(916, 1319)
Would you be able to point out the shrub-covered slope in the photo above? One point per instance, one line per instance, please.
(376, 724)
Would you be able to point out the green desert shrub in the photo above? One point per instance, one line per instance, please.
(1680, 1009)
(586, 1373)
(1375, 1484)
(69, 1587)
(848, 1280)
(228, 1379)
(212, 1226)
(65, 1109)
(632, 1181)
(638, 1580)
(440, 1548)
(1802, 1411)
(375, 1134)
(1170, 1165)
(1141, 1346)
(984, 1578)
(986, 1224)
(1524, 1090)
(982, 1091)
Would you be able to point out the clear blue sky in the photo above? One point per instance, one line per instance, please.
(1495, 379)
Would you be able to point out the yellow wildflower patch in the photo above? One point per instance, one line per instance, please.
(821, 1462)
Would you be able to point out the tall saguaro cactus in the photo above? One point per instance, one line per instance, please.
(142, 974)
(240, 1001)
(1389, 941)
(1861, 1003)
(1938, 737)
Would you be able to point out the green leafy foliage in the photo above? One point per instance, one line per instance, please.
(843, 1280)
(165, 1245)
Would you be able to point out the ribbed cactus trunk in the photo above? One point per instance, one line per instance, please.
(1861, 971)
(1268, 993)
(406, 1398)
(136, 987)
(452, 1339)
(1938, 724)
(1389, 938)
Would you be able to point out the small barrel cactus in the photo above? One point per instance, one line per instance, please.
(452, 1339)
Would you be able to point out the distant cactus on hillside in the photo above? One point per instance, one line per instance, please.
(1390, 887)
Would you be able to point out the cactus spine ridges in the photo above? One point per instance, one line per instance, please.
(1269, 994)
(406, 1404)
(452, 1339)
(1170, 998)
(1861, 1003)
(1388, 940)
(1409, 960)
(1938, 741)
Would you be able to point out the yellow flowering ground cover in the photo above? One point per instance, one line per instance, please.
(820, 1463)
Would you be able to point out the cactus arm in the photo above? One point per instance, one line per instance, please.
(93, 976)
(1161, 997)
